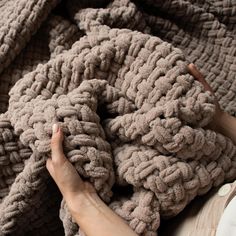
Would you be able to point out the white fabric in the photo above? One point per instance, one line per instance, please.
(227, 224)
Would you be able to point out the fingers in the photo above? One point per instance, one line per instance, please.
(197, 75)
(61, 170)
(58, 156)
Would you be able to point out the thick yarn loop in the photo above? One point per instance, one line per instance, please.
(133, 118)
(76, 112)
(19, 20)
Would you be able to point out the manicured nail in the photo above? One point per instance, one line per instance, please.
(55, 128)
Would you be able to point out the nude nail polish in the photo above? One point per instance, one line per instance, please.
(55, 128)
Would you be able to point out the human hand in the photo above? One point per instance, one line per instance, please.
(92, 215)
(219, 113)
(75, 191)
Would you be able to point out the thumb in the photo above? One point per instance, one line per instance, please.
(58, 156)
(62, 171)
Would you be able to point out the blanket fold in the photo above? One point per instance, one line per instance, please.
(114, 75)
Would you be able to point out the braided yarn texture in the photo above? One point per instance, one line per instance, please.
(114, 75)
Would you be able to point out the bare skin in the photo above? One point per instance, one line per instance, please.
(222, 122)
(92, 215)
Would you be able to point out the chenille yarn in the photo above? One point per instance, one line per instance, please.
(132, 115)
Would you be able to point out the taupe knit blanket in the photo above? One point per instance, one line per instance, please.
(113, 74)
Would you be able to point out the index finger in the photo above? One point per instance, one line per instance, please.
(198, 75)
(56, 145)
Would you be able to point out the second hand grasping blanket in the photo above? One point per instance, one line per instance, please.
(116, 80)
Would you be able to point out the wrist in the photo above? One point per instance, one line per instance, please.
(83, 204)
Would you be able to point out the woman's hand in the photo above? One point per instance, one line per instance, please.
(62, 171)
(218, 112)
(222, 122)
(65, 175)
(92, 215)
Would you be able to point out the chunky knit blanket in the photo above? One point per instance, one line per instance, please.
(114, 76)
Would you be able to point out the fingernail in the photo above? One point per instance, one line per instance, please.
(190, 64)
(55, 128)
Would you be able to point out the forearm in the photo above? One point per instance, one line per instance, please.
(95, 218)
(226, 125)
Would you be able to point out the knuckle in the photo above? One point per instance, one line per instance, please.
(56, 162)
(56, 138)
(54, 141)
